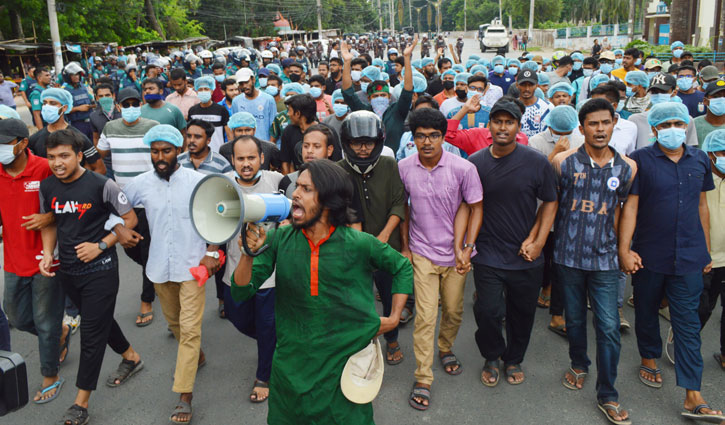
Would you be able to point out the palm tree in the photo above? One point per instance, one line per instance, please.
(680, 19)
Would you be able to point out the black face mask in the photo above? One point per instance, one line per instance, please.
(462, 94)
(447, 84)
(295, 78)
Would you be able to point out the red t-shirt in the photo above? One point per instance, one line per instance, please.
(19, 198)
(473, 140)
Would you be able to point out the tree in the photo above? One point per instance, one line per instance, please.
(679, 20)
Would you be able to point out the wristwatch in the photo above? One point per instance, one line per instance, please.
(102, 246)
(213, 254)
(469, 245)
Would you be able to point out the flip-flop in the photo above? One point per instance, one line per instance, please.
(695, 414)
(182, 407)
(545, 299)
(406, 315)
(509, 371)
(450, 360)
(493, 368)
(57, 384)
(606, 407)
(654, 372)
(391, 352)
(580, 375)
(222, 315)
(143, 316)
(719, 359)
(559, 330)
(420, 392)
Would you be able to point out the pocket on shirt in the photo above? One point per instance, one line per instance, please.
(695, 180)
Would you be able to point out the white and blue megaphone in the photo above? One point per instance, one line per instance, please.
(219, 210)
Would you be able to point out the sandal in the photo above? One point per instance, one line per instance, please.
(509, 372)
(451, 360)
(222, 315)
(559, 330)
(142, 316)
(57, 385)
(126, 369)
(390, 351)
(419, 392)
(543, 301)
(577, 376)
(254, 397)
(654, 372)
(492, 367)
(181, 408)
(75, 415)
(720, 359)
(608, 407)
(697, 415)
(406, 315)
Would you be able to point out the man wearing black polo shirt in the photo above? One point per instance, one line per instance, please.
(509, 244)
(82, 202)
(105, 112)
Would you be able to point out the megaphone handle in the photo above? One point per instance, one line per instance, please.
(246, 247)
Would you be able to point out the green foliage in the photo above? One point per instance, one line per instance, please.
(664, 49)
(544, 10)
(550, 25)
(478, 12)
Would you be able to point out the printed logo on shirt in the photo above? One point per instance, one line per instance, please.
(32, 186)
(70, 207)
(122, 198)
(613, 183)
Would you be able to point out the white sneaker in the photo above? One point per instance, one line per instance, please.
(66, 319)
(75, 324)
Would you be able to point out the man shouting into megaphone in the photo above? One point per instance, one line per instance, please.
(324, 308)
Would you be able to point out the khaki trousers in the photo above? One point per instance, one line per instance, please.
(430, 282)
(183, 307)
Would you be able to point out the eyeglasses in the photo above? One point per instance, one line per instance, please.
(433, 137)
(368, 144)
(476, 89)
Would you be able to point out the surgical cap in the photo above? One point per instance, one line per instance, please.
(470, 63)
(371, 72)
(562, 119)
(667, 111)
(677, 44)
(543, 79)
(202, 82)
(577, 56)
(618, 52)
(378, 62)
(498, 60)
(478, 68)
(475, 57)
(529, 56)
(514, 62)
(540, 94)
(61, 95)
(419, 84)
(637, 78)
(242, 119)
(462, 77)
(8, 112)
(426, 62)
(296, 88)
(448, 72)
(714, 142)
(546, 61)
(164, 133)
(597, 80)
(416, 64)
(530, 65)
(485, 62)
(384, 76)
(458, 68)
(337, 95)
(274, 68)
(562, 87)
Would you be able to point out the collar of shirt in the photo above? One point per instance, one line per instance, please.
(659, 152)
(583, 157)
(315, 260)
(29, 167)
(442, 162)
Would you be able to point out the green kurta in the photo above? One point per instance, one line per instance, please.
(316, 334)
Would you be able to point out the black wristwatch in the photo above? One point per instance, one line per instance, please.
(102, 246)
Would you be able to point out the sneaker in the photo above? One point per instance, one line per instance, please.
(67, 319)
(670, 346)
(75, 324)
(623, 323)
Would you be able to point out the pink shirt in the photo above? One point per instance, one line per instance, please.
(185, 102)
(435, 196)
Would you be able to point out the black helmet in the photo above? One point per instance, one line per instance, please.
(362, 126)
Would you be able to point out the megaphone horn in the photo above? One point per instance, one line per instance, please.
(219, 209)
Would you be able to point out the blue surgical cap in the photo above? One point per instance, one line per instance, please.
(206, 81)
(562, 119)
(416, 64)
(371, 72)
(458, 68)
(384, 76)
(546, 61)
(529, 56)
(577, 56)
(514, 62)
(637, 78)
(242, 119)
(498, 60)
(485, 62)
(419, 84)
(540, 94)
(470, 63)
(294, 88)
(164, 133)
(426, 62)
(597, 80)
(8, 112)
(337, 95)
(561, 86)
(543, 79)
(61, 95)
(618, 52)
(474, 57)
(378, 62)
(667, 111)
(530, 65)
(714, 142)
(448, 72)
(478, 68)
(462, 78)
(274, 68)
(677, 44)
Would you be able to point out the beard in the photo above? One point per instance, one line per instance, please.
(166, 173)
(317, 214)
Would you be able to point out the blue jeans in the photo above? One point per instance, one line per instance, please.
(683, 293)
(35, 304)
(621, 289)
(4, 332)
(602, 288)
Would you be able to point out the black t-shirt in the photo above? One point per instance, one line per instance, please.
(511, 187)
(215, 114)
(81, 209)
(435, 86)
(596, 49)
(291, 142)
(36, 143)
(270, 151)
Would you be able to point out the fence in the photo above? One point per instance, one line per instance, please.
(583, 37)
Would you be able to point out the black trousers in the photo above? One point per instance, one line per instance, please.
(714, 285)
(95, 295)
(556, 302)
(140, 254)
(509, 293)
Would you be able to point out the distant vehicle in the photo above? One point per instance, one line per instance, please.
(409, 30)
(495, 37)
(350, 35)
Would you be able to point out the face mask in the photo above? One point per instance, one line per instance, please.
(364, 87)
(150, 98)
(577, 66)
(588, 72)
(513, 70)
(704, 86)
(671, 138)
(219, 78)
(6, 154)
(131, 114)
(659, 98)
(256, 176)
(549, 68)
(447, 85)
(538, 68)
(618, 61)
(684, 83)
(677, 53)
(568, 73)
(340, 109)
(315, 92)
(379, 104)
(50, 113)
(204, 96)
(462, 94)
(620, 106)
(638, 62)
(719, 164)
(651, 74)
(717, 106)
(106, 104)
(556, 137)
(630, 92)
(295, 78)
(262, 82)
(356, 75)
(606, 68)
(498, 69)
(271, 90)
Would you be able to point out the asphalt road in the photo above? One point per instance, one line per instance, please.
(223, 385)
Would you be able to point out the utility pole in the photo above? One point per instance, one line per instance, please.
(465, 18)
(410, 13)
(500, 10)
(392, 16)
(380, 16)
(319, 19)
(531, 19)
(630, 21)
(55, 37)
